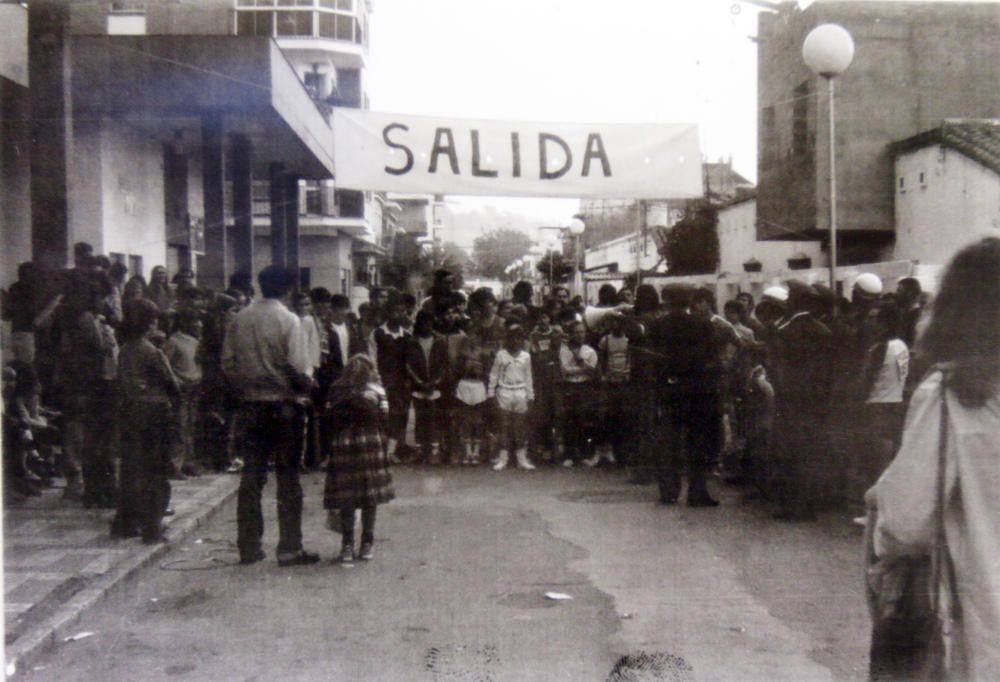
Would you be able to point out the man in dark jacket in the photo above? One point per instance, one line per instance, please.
(802, 381)
(687, 369)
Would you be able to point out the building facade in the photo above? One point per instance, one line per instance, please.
(915, 63)
(187, 135)
(947, 189)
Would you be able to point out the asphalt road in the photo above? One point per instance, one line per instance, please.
(457, 592)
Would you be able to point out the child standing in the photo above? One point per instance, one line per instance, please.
(146, 387)
(181, 350)
(358, 473)
(578, 368)
(511, 385)
(545, 339)
(426, 362)
(471, 396)
(615, 362)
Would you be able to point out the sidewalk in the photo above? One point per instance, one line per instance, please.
(59, 560)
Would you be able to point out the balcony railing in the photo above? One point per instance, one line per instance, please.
(345, 20)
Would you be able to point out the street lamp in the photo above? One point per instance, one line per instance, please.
(828, 51)
(576, 228)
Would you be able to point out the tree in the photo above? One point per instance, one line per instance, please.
(554, 265)
(692, 246)
(495, 250)
(411, 258)
(447, 256)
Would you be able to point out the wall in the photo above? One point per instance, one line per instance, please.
(15, 180)
(958, 202)
(915, 63)
(738, 243)
(326, 257)
(14, 46)
(132, 191)
(622, 251)
(163, 17)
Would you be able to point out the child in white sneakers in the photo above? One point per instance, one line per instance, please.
(511, 384)
(471, 396)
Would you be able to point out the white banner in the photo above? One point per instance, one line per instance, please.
(430, 155)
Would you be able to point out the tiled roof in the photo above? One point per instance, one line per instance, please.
(979, 139)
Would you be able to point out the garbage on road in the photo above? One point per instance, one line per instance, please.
(557, 596)
(78, 636)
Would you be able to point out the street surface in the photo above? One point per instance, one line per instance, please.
(463, 560)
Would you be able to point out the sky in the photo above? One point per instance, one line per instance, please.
(660, 61)
(598, 61)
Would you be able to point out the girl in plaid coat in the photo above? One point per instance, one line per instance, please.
(358, 473)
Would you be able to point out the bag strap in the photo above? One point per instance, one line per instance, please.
(940, 542)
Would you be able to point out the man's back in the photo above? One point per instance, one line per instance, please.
(685, 349)
(264, 350)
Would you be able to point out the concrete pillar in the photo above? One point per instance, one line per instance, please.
(242, 165)
(51, 129)
(212, 270)
(278, 200)
(292, 226)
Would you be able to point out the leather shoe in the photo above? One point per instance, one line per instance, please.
(252, 558)
(300, 558)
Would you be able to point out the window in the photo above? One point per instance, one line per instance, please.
(800, 120)
(135, 265)
(117, 258)
(295, 23)
(255, 23)
(345, 28)
(314, 198)
(902, 184)
(127, 18)
(345, 281)
(315, 84)
(261, 198)
(305, 279)
(923, 182)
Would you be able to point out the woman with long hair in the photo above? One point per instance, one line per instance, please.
(357, 476)
(158, 290)
(958, 399)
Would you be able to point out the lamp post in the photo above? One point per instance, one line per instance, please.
(576, 228)
(828, 51)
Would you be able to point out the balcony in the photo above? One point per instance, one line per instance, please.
(323, 211)
(337, 27)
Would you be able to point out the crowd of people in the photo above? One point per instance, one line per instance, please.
(772, 393)
(120, 386)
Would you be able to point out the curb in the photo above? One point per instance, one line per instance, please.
(50, 632)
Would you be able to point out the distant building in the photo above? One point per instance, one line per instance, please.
(611, 219)
(613, 238)
(915, 64)
(947, 189)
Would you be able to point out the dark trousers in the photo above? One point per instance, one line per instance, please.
(427, 415)
(270, 429)
(97, 464)
(689, 437)
(367, 524)
(145, 468)
(399, 412)
(543, 414)
(800, 458)
(620, 419)
(449, 409)
(578, 419)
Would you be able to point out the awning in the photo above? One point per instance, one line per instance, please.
(168, 83)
